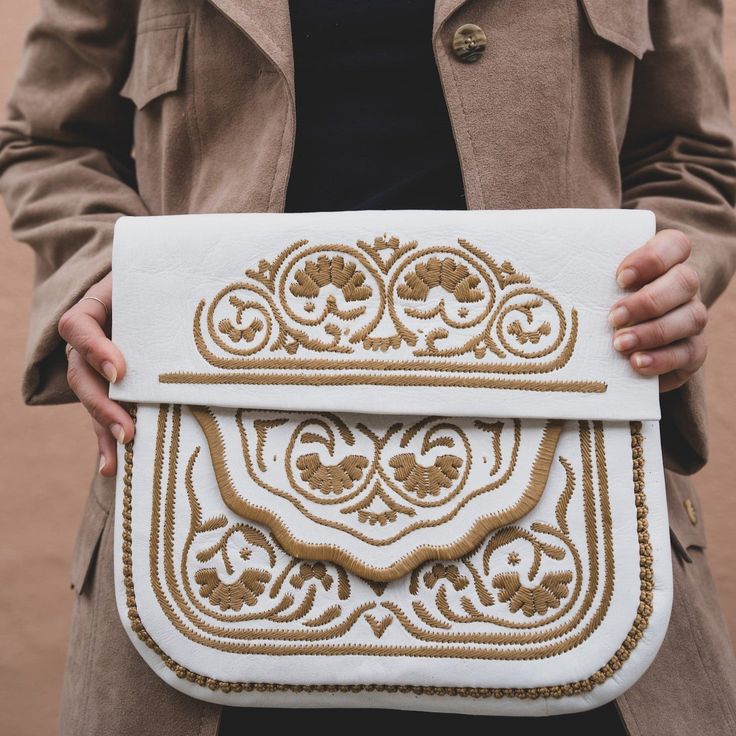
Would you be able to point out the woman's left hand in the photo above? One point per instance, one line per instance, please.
(659, 325)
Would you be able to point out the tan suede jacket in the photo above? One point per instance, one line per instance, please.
(178, 106)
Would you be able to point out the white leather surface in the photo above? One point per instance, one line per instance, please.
(324, 544)
(597, 622)
(375, 491)
(163, 267)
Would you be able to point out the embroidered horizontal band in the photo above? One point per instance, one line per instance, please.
(347, 379)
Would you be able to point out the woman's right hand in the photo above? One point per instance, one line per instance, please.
(93, 362)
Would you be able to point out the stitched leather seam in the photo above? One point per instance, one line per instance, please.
(367, 379)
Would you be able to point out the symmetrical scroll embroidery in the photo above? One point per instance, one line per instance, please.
(434, 315)
(399, 484)
(326, 604)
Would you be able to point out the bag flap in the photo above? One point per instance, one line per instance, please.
(455, 313)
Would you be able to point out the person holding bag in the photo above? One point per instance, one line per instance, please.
(183, 106)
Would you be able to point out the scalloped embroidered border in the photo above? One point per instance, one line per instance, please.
(601, 675)
(301, 549)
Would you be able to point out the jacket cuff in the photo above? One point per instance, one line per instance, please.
(44, 372)
(683, 427)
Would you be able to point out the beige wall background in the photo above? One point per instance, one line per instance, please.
(48, 456)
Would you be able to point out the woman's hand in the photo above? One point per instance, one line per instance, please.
(659, 325)
(94, 361)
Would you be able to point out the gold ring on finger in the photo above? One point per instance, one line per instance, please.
(104, 306)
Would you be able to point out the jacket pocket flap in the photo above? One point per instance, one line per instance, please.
(624, 23)
(157, 62)
(88, 538)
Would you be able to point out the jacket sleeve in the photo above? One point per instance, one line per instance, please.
(66, 171)
(678, 159)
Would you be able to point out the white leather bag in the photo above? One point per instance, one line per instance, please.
(387, 459)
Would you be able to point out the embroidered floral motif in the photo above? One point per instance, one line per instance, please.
(537, 600)
(423, 480)
(309, 571)
(331, 478)
(451, 573)
(513, 558)
(422, 314)
(381, 485)
(232, 596)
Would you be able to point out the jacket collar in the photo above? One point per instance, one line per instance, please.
(267, 24)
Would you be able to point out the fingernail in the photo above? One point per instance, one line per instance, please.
(618, 316)
(110, 371)
(643, 360)
(118, 433)
(103, 461)
(626, 277)
(625, 341)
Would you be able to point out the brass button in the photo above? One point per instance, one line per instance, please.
(692, 514)
(469, 42)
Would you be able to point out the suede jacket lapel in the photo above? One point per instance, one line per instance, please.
(267, 24)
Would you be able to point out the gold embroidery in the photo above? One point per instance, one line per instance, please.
(251, 534)
(424, 615)
(262, 426)
(513, 558)
(588, 684)
(387, 516)
(523, 336)
(536, 600)
(425, 481)
(244, 507)
(446, 572)
(580, 686)
(326, 617)
(451, 306)
(335, 271)
(232, 596)
(347, 379)
(307, 571)
(306, 606)
(331, 478)
(309, 601)
(378, 588)
(378, 627)
(449, 274)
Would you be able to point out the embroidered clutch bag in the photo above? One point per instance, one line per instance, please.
(387, 459)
